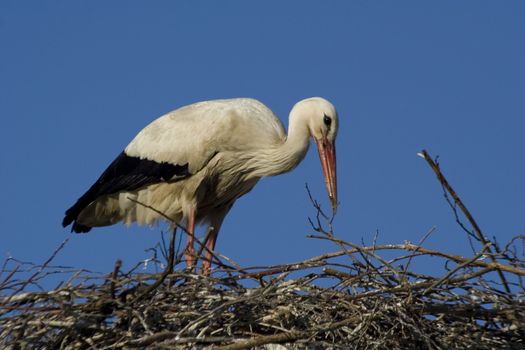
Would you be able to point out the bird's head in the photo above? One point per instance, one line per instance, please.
(321, 119)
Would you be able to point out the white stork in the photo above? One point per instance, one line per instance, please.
(193, 163)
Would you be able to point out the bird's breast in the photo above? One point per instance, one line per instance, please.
(225, 179)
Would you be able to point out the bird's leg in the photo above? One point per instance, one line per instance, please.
(215, 226)
(210, 245)
(189, 255)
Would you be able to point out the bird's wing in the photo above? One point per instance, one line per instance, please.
(193, 134)
(125, 173)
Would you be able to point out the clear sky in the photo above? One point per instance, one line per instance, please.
(78, 79)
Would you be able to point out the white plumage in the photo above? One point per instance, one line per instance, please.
(193, 163)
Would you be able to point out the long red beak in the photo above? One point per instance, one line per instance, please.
(327, 155)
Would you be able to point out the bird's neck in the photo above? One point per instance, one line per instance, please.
(285, 156)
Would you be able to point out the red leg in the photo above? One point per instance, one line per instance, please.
(189, 254)
(210, 245)
(215, 226)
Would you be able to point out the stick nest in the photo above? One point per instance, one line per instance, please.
(367, 303)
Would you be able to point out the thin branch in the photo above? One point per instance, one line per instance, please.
(457, 268)
(43, 266)
(420, 243)
(167, 271)
(465, 211)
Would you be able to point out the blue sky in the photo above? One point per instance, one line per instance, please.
(79, 79)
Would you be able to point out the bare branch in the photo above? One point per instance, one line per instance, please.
(466, 212)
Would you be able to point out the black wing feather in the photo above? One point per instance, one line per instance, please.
(125, 173)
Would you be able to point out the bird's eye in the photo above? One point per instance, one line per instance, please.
(327, 120)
